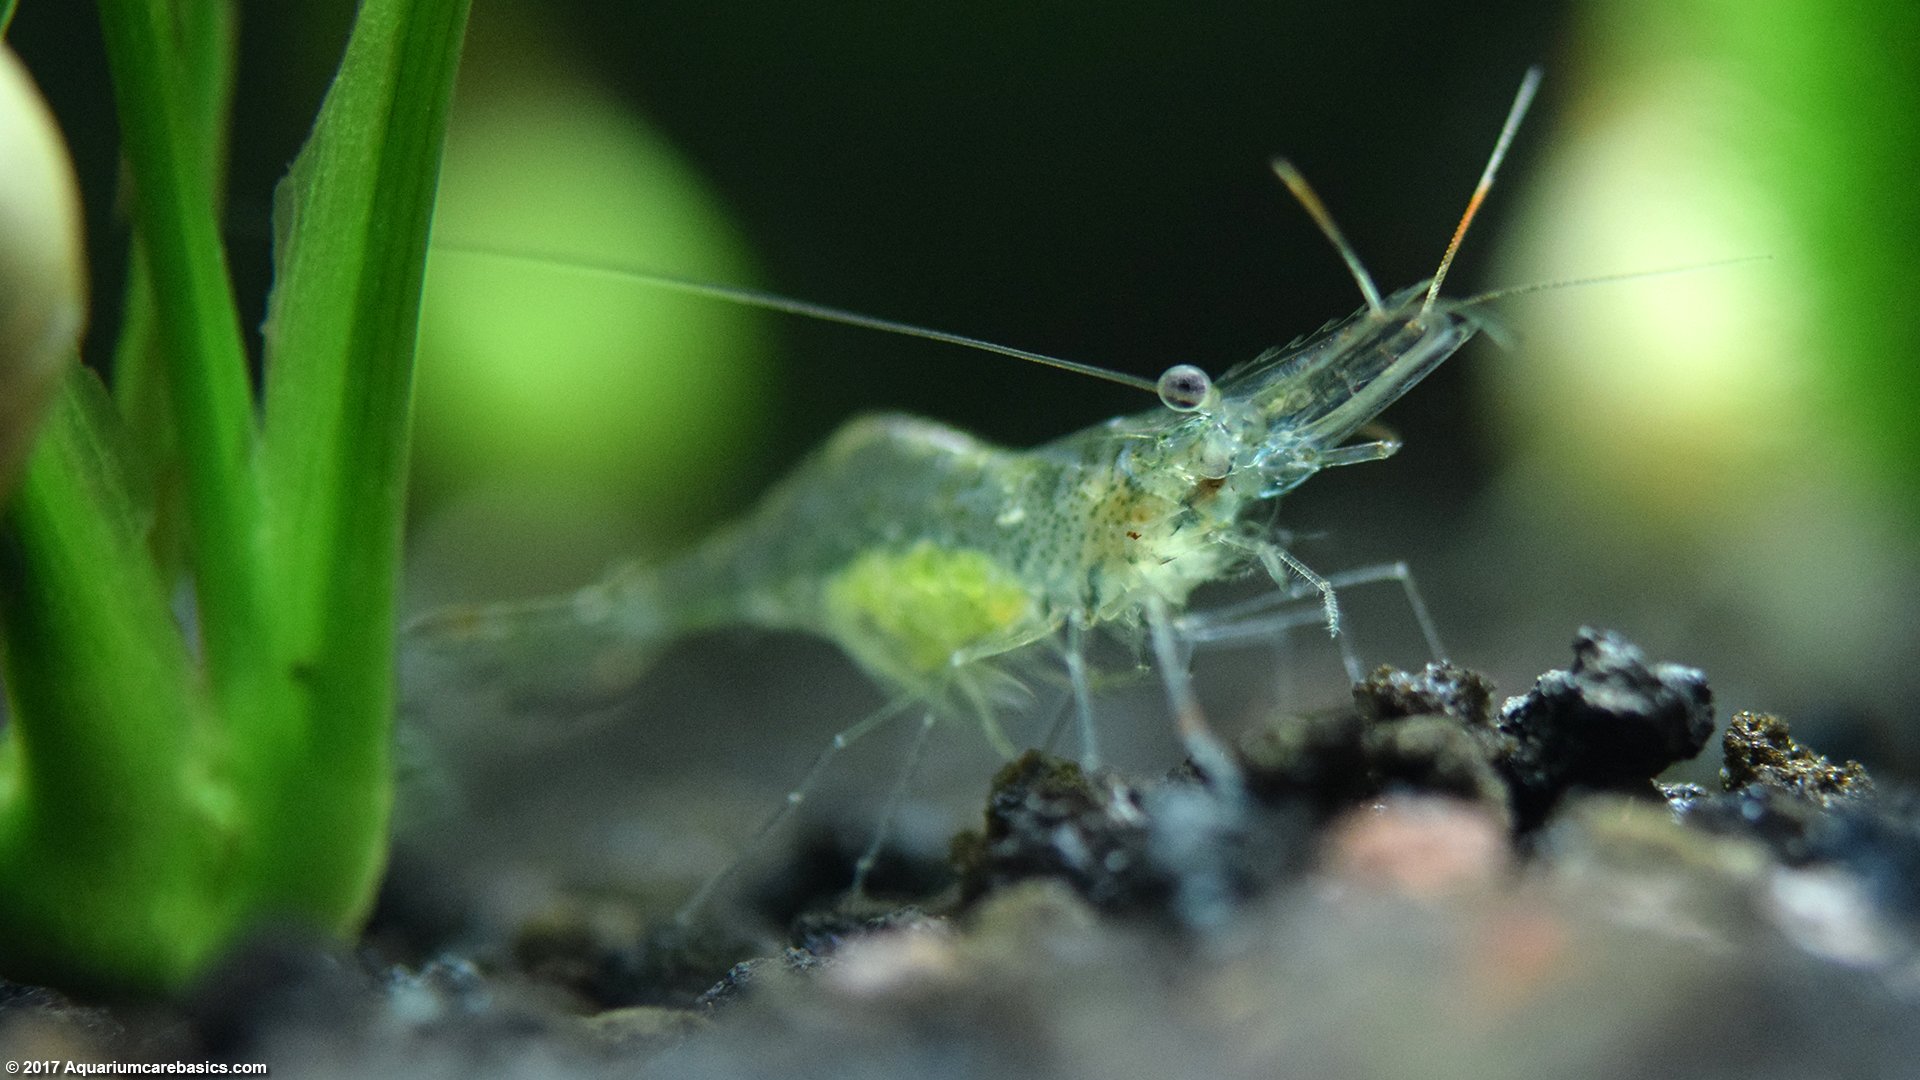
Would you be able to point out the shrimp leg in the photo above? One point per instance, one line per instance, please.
(1209, 754)
(1076, 657)
(1056, 725)
(1278, 561)
(1268, 615)
(791, 803)
(894, 798)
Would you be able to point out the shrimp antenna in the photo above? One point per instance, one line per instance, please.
(754, 298)
(1604, 279)
(1518, 112)
(1304, 194)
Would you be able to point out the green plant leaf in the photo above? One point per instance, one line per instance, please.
(155, 806)
(199, 332)
(101, 691)
(351, 222)
(205, 46)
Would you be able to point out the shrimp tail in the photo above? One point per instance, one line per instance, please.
(472, 677)
(567, 654)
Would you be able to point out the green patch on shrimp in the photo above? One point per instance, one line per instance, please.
(913, 614)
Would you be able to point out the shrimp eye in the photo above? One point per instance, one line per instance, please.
(1184, 388)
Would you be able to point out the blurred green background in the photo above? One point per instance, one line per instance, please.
(1722, 464)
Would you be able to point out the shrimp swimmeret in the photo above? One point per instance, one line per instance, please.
(944, 566)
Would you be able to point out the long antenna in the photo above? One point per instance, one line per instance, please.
(1603, 279)
(775, 302)
(1518, 112)
(1317, 210)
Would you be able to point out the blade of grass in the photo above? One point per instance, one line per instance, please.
(103, 701)
(199, 330)
(205, 40)
(148, 816)
(351, 224)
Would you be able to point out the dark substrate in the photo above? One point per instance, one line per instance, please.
(1427, 884)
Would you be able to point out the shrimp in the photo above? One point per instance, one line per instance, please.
(949, 569)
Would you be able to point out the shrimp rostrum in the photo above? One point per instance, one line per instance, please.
(946, 567)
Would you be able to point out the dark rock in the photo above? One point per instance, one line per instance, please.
(1430, 731)
(745, 974)
(1610, 722)
(1178, 849)
(1439, 689)
(823, 933)
(1320, 760)
(1185, 849)
(818, 936)
(1044, 819)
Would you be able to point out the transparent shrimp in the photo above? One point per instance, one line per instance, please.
(949, 569)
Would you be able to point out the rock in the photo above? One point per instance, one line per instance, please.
(1759, 750)
(1611, 722)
